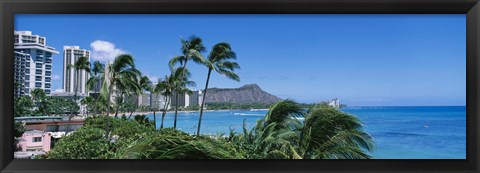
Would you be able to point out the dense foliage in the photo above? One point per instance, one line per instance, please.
(325, 133)
(136, 139)
(22, 106)
(90, 141)
(19, 129)
(42, 105)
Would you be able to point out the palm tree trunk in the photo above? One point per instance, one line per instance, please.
(75, 85)
(176, 111)
(164, 111)
(74, 98)
(108, 109)
(118, 105)
(154, 120)
(203, 102)
(130, 116)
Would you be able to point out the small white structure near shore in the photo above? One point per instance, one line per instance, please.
(334, 103)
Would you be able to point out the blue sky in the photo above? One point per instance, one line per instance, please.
(365, 60)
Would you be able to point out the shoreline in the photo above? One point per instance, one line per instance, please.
(160, 112)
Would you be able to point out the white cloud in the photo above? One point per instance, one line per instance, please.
(104, 51)
(56, 77)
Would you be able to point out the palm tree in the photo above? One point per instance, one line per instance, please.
(88, 102)
(146, 87)
(165, 87)
(180, 83)
(191, 50)
(97, 74)
(326, 133)
(82, 63)
(120, 75)
(218, 61)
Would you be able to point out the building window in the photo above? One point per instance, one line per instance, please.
(38, 84)
(37, 139)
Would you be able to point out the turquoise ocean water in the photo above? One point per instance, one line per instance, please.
(400, 132)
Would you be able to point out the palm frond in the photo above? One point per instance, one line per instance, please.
(283, 110)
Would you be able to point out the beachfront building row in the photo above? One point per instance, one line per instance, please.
(33, 63)
(186, 100)
(158, 101)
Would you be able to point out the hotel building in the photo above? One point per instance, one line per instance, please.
(33, 63)
(185, 100)
(70, 78)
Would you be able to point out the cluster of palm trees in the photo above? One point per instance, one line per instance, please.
(325, 133)
(120, 78)
(218, 60)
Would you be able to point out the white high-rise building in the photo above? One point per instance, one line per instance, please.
(33, 63)
(70, 78)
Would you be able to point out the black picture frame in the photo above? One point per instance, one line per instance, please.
(9, 8)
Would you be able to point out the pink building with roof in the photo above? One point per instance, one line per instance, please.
(35, 141)
(41, 133)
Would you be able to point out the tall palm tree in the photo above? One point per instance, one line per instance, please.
(120, 74)
(146, 87)
(97, 74)
(82, 63)
(180, 83)
(191, 50)
(88, 102)
(127, 87)
(218, 60)
(165, 87)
